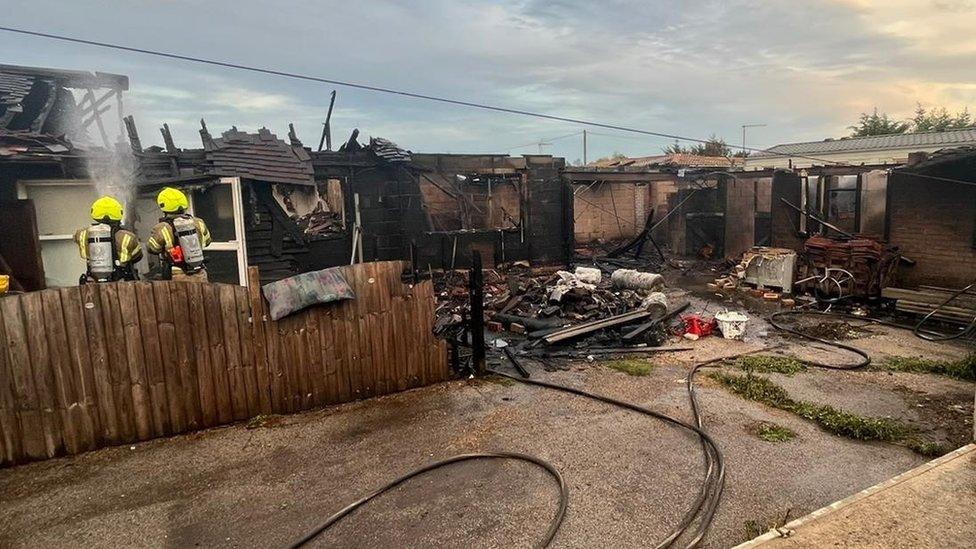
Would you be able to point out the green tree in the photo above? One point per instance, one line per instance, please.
(939, 119)
(877, 124)
(615, 156)
(714, 146)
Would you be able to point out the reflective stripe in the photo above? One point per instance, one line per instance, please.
(83, 244)
(124, 254)
(167, 236)
(204, 232)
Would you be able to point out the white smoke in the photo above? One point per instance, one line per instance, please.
(113, 172)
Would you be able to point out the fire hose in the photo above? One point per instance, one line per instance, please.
(702, 508)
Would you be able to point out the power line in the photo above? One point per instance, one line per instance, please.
(544, 140)
(379, 89)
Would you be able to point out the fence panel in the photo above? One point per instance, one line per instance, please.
(104, 364)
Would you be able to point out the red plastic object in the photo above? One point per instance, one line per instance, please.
(701, 327)
(176, 254)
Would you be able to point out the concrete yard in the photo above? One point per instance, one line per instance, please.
(929, 506)
(630, 477)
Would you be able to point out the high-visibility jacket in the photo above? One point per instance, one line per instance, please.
(127, 247)
(162, 238)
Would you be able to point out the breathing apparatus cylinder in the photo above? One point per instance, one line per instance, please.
(101, 263)
(189, 241)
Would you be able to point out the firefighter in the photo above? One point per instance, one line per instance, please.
(179, 238)
(110, 251)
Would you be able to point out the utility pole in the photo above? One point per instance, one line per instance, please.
(744, 126)
(584, 147)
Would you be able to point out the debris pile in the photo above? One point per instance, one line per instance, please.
(869, 262)
(559, 306)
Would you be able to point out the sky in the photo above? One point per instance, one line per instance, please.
(693, 68)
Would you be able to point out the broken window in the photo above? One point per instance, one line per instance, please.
(842, 202)
(318, 210)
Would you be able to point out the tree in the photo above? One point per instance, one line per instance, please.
(877, 124)
(935, 120)
(939, 119)
(713, 147)
(615, 156)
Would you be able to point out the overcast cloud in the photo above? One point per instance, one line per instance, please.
(806, 69)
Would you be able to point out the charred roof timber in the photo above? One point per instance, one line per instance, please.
(41, 101)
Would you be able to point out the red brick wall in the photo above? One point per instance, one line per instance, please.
(933, 223)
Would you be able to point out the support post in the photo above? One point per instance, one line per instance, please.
(584, 147)
(476, 287)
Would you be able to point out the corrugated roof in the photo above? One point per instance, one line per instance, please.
(669, 160)
(965, 136)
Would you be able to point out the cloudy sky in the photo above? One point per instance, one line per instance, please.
(695, 68)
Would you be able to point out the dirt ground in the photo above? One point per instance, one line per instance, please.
(630, 477)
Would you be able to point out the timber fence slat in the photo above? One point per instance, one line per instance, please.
(80, 363)
(13, 449)
(111, 316)
(40, 364)
(102, 364)
(64, 382)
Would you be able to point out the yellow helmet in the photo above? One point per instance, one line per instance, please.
(172, 200)
(105, 209)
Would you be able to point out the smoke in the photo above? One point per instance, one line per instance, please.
(113, 172)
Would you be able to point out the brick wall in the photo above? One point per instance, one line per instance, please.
(597, 208)
(659, 194)
(933, 223)
(764, 194)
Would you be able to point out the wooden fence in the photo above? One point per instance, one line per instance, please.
(103, 364)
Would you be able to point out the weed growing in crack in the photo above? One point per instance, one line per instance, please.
(770, 432)
(631, 366)
(762, 364)
(830, 419)
(964, 368)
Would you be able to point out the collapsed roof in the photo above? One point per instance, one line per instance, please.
(42, 101)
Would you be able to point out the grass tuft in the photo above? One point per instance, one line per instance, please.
(263, 420)
(827, 417)
(964, 368)
(761, 364)
(499, 380)
(631, 366)
(928, 449)
(770, 432)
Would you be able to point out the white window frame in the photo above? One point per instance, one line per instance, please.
(22, 195)
(238, 245)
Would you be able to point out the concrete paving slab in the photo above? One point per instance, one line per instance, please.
(933, 505)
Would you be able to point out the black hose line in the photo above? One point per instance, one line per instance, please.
(929, 336)
(706, 501)
(864, 360)
(714, 462)
(554, 525)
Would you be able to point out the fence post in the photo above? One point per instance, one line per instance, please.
(476, 286)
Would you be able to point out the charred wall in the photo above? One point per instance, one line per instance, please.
(933, 223)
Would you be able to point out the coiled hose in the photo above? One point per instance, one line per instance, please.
(554, 525)
(702, 508)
